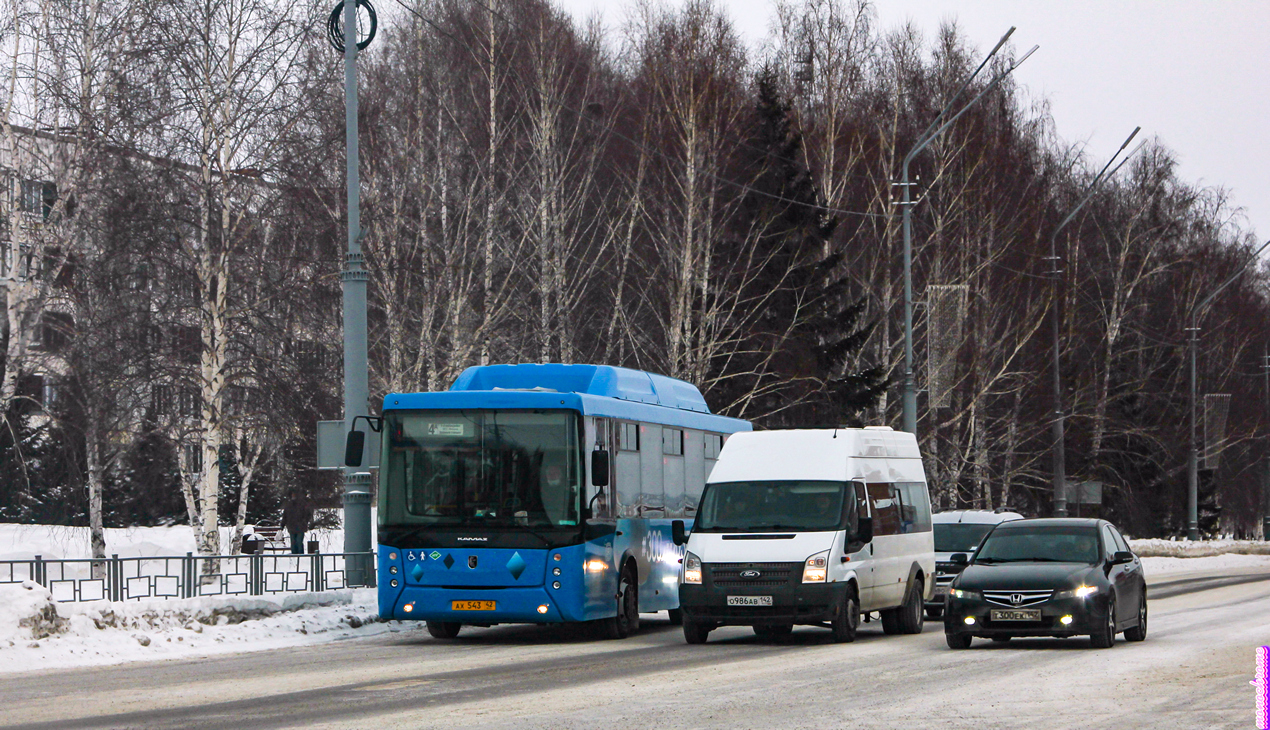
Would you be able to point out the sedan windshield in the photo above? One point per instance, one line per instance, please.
(1049, 544)
(783, 505)
(959, 537)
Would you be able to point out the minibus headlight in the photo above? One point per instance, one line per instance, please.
(692, 568)
(816, 568)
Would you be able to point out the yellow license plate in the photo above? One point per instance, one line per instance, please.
(472, 605)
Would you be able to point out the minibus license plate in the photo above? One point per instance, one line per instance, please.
(941, 591)
(472, 605)
(749, 600)
(1024, 615)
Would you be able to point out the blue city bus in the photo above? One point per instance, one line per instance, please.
(540, 494)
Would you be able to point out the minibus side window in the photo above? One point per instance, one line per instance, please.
(885, 508)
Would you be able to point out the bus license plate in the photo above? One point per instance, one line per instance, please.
(472, 605)
(749, 600)
(1024, 615)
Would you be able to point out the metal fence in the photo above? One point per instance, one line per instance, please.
(190, 575)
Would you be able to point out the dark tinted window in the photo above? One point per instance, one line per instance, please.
(1052, 544)
(884, 506)
(959, 537)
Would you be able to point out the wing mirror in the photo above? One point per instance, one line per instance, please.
(354, 447)
(599, 468)
(677, 532)
(959, 559)
(863, 536)
(1121, 557)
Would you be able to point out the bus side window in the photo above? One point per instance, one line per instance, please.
(694, 471)
(626, 469)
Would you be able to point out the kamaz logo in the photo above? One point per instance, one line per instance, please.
(750, 574)
(473, 539)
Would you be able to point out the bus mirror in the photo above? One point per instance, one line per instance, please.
(353, 448)
(599, 468)
(677, 532)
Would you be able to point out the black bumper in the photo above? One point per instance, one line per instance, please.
(1086, 613)
(801, 603)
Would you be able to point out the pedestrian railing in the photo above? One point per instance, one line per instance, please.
(190, 575)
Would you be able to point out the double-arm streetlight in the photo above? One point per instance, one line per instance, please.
(926, 137)
(1192, 459)
(1058, 449)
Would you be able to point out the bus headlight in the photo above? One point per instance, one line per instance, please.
(816, 568)
(692, 569)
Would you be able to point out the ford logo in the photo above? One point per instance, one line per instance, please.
(750, 574)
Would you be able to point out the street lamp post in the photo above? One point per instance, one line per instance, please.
(909, 399)
(1058, 450)
(1192, 459)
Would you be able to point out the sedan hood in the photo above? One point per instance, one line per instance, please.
(1023, 576)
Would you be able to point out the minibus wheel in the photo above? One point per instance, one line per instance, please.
(676, 616)
(696, 632)
(847, 619)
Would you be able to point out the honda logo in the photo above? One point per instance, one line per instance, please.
(1016, 598)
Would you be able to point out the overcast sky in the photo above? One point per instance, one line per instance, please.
(1195, 73)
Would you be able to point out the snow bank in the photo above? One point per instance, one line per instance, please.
(36, 633)
(1157, 548)
(1156, 566)
(27, 612)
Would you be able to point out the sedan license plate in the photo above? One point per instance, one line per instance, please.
(749, 600)
(941, 591)
(1032, 614)
(472, 605)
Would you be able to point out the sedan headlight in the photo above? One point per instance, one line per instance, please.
(692, 568)
(816, 568)
(959, 593)
(1077, 592)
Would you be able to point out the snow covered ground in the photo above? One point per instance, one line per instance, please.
(36, 633)
(56, 542)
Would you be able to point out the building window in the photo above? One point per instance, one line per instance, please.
(52, 397)
(56, 329)
(163, 400)
(672, 441)
(628, 437)
(192, 458)
(187, 402)
(37, 198)
(187, 343)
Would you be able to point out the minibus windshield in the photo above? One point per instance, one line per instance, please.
(794, 506)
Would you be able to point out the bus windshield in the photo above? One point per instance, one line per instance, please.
(481, 469)
(772, 506)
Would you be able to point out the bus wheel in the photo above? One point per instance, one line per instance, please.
(626, 622)
(444, 629)
(676, 616)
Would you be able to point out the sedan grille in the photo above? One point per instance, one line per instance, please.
(1014, 599)
(729, 575)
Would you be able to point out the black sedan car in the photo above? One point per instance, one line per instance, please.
(1048, 577)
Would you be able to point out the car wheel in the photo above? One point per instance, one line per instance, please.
(696, 632)
(626, 622)
(959, 641)
(1106, 636)
(773, 631)
(1139, 632)
(847, 620)
(935, 613)
(1001, 639)
(676, 616)
(444, 629)
(911, 618)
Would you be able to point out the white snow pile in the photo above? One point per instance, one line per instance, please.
(1158, 548)
(37, 633)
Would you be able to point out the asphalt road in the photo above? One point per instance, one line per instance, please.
(1193, 671)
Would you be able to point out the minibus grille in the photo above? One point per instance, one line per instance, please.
(728, 575)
